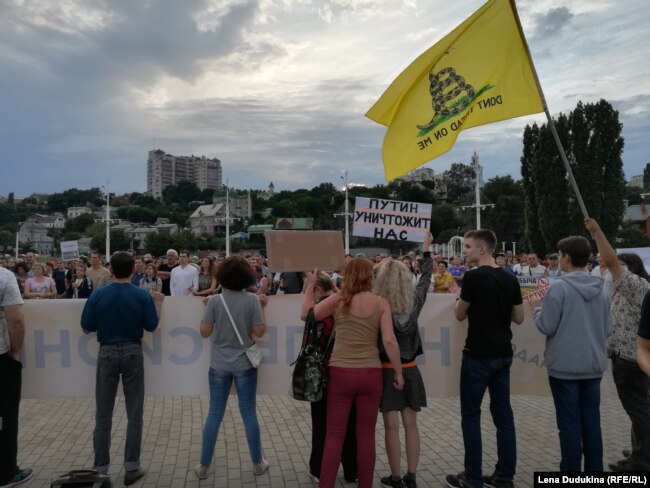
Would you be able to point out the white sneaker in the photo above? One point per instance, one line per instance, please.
(313, 477)
(261, 467)
(202, 471)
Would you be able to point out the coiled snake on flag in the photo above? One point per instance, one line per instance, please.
(447, 103)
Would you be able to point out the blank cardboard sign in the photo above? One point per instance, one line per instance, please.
(295, 250)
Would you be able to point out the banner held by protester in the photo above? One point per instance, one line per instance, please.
(389, 219)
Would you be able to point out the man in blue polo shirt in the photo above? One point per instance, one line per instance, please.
(120, 313)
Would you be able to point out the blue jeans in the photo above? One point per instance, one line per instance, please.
(476, 376)
(123, 360)
(246, 386)
(577, 411)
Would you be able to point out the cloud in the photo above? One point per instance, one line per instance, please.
(551, 23)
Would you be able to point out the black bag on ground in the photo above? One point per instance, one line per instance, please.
(309, 376)
(82, 478)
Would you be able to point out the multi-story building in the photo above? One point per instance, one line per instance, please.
(417, 176)
(165, 169)
(74, 212)
(637, 181)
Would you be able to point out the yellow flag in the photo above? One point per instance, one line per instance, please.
(479, 73)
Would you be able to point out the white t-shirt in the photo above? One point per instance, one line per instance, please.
(9, 295)
(182, 279)
(538, 270)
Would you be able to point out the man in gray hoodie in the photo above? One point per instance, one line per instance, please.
(575, 319)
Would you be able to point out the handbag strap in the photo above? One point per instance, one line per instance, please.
(223, 300)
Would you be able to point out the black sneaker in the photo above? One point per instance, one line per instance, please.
(389, 482)
(22, 476)
(492, 482)
(409, 483)
(459, 481)
(131, 477)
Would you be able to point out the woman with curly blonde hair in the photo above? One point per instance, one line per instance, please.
(393, 282)
(355, 373)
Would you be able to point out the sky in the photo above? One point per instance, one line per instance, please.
(276, 89)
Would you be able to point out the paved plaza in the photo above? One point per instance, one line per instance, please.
(56, 436)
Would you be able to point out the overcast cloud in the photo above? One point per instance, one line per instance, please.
(276, 89)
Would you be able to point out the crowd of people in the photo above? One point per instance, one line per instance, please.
(368, 317)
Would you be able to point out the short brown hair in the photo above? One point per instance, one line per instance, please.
(486, 236)
(235, 273)
(577, 248)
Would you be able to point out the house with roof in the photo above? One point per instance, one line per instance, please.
(299, 223)
(208, 219)
(639, 215)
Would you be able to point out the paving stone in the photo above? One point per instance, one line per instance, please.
(56, 436)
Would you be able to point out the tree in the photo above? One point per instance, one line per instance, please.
(532, 236)
(460, 179)
(157, 243)
(119, 242)
(591, 137)
(73, 197)
(182, 193)
(143, 200)
(137, 214)
(7, 238)
(506, 219)
(80, 223)
(631, 236)
(443, 218)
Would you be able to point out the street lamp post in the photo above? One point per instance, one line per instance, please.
(227, 221)
(346, 213)
(108, 222)
(17, 241)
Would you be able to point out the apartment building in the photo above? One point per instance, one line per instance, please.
(165, 169)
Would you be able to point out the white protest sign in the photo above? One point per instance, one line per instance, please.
(389, 219)
(59, 359)
(69, 250)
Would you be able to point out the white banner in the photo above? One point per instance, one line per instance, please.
(69, 250)
(388, 219)
(59, 359)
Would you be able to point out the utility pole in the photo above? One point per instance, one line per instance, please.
(108, 221)
(347, 213)
(477, 192)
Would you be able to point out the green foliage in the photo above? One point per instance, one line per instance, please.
(443, 217)
(591, 137)
(157, 244)
(137, 214)
(460, 180)
(631, 236)
(80, 223)
(7, 238)
(506, 218)
(59, 202)
(142, 200)
(181, 193)
(633, 195)
(119, 242)
(533, 237)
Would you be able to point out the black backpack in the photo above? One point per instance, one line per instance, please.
(82, 478)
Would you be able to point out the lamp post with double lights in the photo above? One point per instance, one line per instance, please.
(346, 214)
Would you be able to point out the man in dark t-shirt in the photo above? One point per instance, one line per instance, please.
(490, 299)
(165, 271)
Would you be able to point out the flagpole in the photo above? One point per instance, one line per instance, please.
(551, 125)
